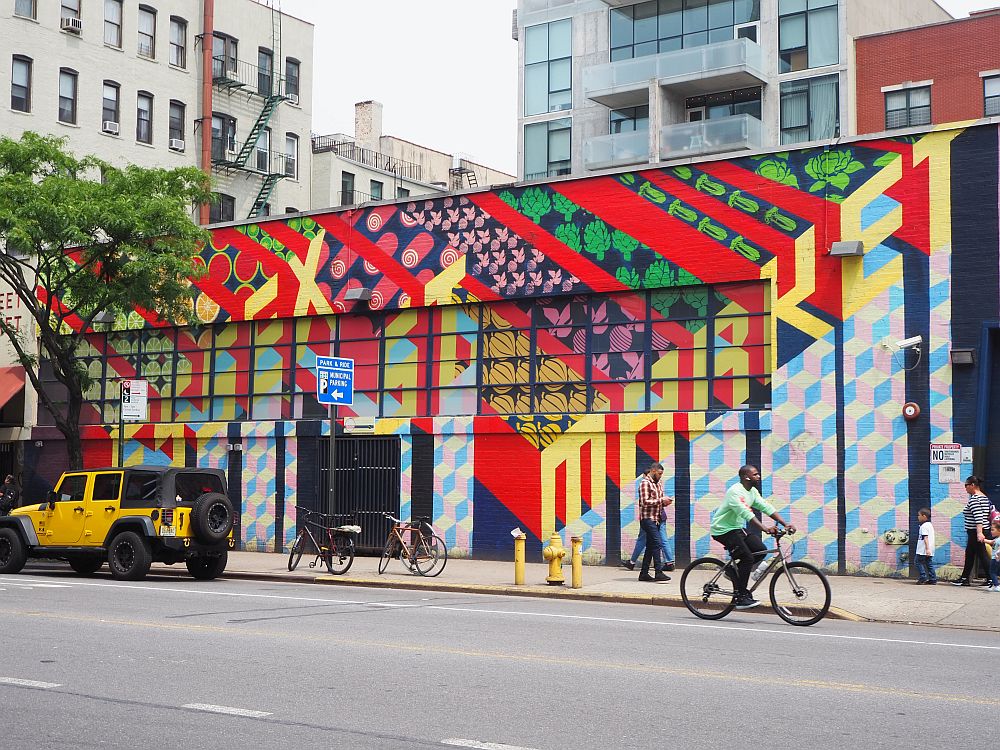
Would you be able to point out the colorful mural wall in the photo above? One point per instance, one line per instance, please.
(537, 346)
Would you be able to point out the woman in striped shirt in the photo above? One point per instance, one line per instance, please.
(977, 513)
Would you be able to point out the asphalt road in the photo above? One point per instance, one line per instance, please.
(168, 663)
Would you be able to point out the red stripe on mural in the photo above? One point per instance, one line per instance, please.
(478, 289)
(270, 263)
(913, 193)
(561, 493)
(667, 235)
(612, 451)
(376, 256)
(590, 274)
(586, 497)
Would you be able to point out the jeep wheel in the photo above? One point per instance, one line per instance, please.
(129, 557)
(13, 553)
(206, 568)
(212, 517)
(86, 565)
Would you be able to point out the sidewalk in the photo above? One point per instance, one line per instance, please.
(854, 598)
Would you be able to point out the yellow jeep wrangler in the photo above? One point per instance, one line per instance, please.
(129, 517)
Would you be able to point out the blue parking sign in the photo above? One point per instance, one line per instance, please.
(335, 381)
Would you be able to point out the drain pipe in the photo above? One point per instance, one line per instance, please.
(207, 29)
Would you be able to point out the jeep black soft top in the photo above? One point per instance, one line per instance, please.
(151, 486)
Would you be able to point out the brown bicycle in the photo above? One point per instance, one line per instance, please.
(416, 546)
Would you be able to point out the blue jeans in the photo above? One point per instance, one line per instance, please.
(640, 545)
(654, 547)
(925, 567)
(994, 569)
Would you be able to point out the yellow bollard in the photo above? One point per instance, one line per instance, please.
(519, 559)
(577, 558)
(554, 554)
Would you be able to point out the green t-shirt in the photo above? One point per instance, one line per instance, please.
(737, 509)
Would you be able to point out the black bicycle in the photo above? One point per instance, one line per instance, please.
(800, 592)
(334, 545)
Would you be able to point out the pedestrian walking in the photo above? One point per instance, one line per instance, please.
(995, 560)
(640, 540)
(9, 495)
(925, 549)
(976, 512)
(651, 500)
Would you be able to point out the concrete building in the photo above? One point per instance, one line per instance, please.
(610, 83)
(931, 74)
(136, 84)
(370, 165)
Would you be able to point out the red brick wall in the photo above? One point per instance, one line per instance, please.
(950, 54)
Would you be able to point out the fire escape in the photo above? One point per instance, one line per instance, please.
(264, 87)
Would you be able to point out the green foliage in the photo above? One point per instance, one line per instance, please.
(624, 243)
(565, 206)
(101, 241)
(509, 198)
(659, 274)
(834, 167)
(777, 169)
(535, 203)
(597, 239)
(885, 159)
(569, 235)
(629, 277)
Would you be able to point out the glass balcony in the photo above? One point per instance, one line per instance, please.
(733, 133)
(616, 150)
(734, 64)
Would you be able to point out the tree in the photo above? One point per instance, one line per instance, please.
(83, 242)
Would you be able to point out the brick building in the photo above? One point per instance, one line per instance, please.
(941, 72)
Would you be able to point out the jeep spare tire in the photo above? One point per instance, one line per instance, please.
(212, 517)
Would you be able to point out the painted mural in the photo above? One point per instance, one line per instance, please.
(580, 329)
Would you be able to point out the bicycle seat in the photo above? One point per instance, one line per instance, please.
(347, 529)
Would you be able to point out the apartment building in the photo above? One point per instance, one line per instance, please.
(932, 74)
(612, 83)
(135, 83)
(369, 165)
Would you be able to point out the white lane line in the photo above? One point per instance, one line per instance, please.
(229, 710)
(456, 742)
(38, 585)
(28, 683)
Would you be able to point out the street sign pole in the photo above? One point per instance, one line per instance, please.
(334, 386)
(121, 425)
(332, 496)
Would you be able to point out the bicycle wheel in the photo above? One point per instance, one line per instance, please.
(800, 594)
(340, 555)
(295, 553)
(708, 593)
(430, 556)
(387, 551)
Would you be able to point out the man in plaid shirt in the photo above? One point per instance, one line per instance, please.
(651, 502)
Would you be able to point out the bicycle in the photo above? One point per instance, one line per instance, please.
(799, 591)
(335, 545)
(426, 552)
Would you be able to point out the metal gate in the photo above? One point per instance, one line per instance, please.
(368, 480)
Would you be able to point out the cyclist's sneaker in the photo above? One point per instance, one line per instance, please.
(961, 582)
(746, 602)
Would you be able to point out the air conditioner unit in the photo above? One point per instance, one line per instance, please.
(176, 144)
(110, 126)
(293, 98)
(72, 24)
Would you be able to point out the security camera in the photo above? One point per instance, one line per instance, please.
(910, 342)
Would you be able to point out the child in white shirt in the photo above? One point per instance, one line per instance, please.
(995, 560)
(925, 549)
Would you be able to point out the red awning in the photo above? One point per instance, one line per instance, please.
(11, 383)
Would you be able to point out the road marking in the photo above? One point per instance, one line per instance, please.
(481, 745)
(209, 708)
(28, 683)
(37, 585)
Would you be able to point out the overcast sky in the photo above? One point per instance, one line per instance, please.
(445, 70)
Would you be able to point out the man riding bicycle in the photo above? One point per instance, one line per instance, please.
(729, 529)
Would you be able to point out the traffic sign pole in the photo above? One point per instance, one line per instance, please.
(121, 424)
(332, 495)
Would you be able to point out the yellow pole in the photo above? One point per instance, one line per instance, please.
(577, 543)
(519, 559)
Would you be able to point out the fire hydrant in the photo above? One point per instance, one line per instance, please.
(555, 553)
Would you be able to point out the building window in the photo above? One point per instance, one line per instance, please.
(346, 188)
(725, 104)
(807, 34)
(144, 117)
(20, 84)
(908, 107)
(113, 23)
(147, 31)
(111, 108)
(224, 55)
(292, 67)
(67, 96)
(265, 71)
(264, 151)
(176, 121)
(991, 96)
(291, 155)
(178, 42)
(223, 136)
(402, 192)
(70, 9)
(656, 26)
(630, 119)
(223, 210)
(547, 148)
(548, 63)
(377, 187)
(810, 109)
(24, 8)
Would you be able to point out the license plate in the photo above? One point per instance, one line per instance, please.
(167, 531)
